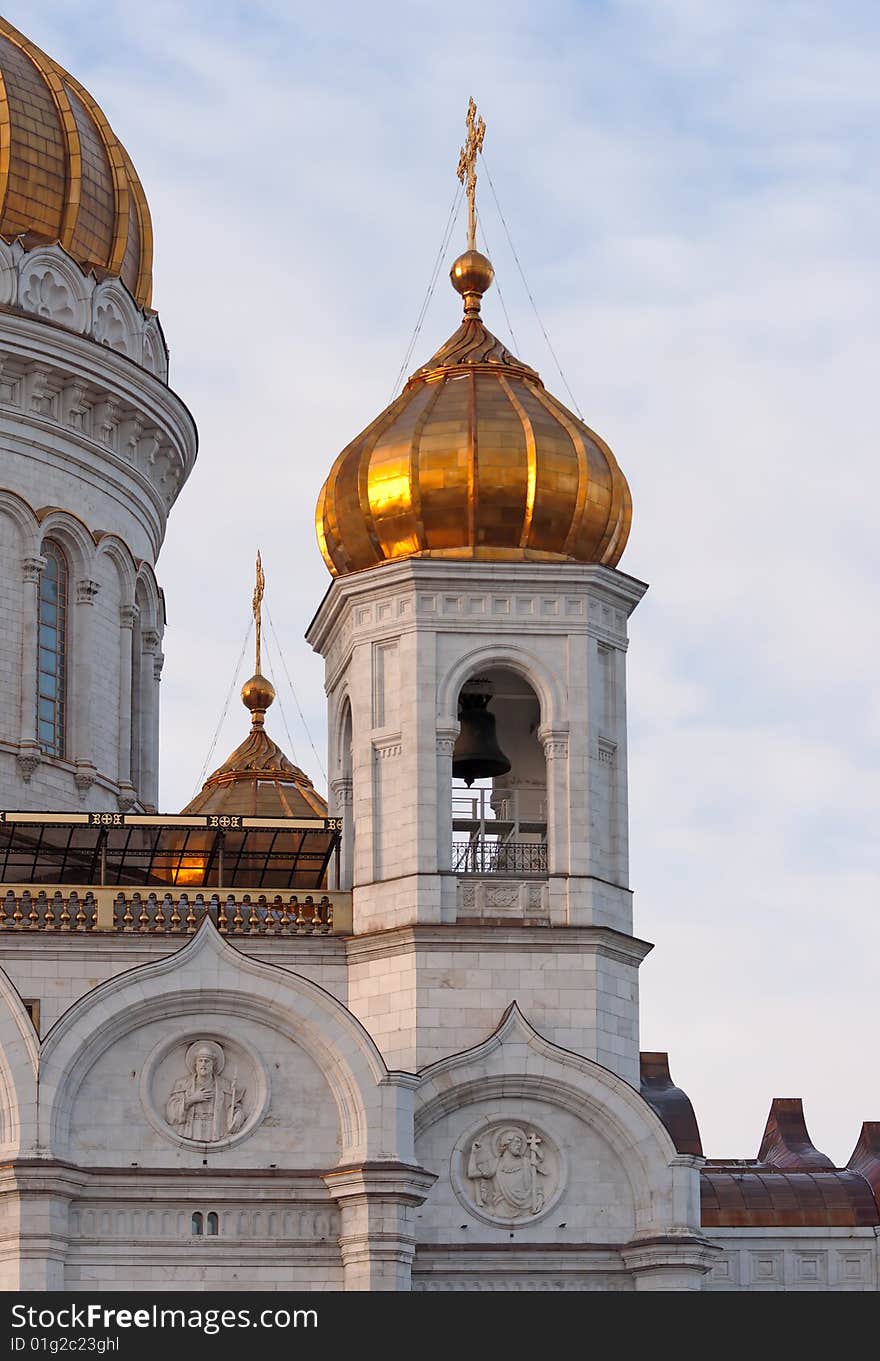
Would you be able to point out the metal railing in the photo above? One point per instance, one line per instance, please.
(76, 910)
(490, 856)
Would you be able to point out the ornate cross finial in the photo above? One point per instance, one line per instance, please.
(467, 167)
(258, 600)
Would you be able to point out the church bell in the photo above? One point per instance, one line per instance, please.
(477, 755)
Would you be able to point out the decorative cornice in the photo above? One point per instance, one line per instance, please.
(385, 747)
(554, 742)
(45, 281)
(28, 757)
(84, 776)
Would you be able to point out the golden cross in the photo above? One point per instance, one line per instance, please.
(258, 600)
(467, 167)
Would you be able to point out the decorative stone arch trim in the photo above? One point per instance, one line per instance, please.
(70, 532)
(369, 1099)
(8, 274)
(514, 656)
(155, 350)
(52, 286)
(116, 320)
(24, 516)
(19, 1065)
(111, 546)
(148, 598)
(516, 1061)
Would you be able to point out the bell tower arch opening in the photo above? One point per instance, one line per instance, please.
(499, 778)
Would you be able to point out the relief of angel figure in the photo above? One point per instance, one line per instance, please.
(505, 1167)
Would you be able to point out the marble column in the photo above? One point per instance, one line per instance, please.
(29, 755)
(81, 690)
(127, 794)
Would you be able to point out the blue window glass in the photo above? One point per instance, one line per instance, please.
(52, 651)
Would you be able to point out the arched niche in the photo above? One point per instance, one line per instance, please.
(499, 821)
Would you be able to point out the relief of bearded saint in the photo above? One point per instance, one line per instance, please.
(505, 1169)
(203, 1105)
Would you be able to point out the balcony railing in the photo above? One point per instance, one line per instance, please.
(82, 909)
(490, 856)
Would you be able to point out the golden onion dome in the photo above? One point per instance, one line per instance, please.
(64, 176)
(474, 459)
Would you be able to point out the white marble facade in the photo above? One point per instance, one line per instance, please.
(318, 1166)
(94, 448)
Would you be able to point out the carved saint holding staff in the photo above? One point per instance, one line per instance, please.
(203, 1105)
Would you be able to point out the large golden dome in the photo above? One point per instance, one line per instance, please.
(474, 459)
(64, 177)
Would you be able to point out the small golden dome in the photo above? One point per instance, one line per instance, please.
(258, 780)
(257, 694)
(474, 459)
(64, 176)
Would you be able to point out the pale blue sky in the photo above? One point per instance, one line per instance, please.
(692, 189)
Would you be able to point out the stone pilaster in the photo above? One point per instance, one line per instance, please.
(82, 643)
(29, 755)
(35, 1199)
(674, 1263)
(127, 794)
(151, 667)
(377, 1239)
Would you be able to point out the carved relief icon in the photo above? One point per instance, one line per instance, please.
(203, 1105)
(505, 1170)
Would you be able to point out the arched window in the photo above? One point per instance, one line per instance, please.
(197, 1223)
(213, 1224)
(52, 652)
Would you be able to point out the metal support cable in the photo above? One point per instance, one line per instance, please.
(217, 730)
(529, 291)
(513, 339)
(295, 696)
(435, 272)
(277, 684)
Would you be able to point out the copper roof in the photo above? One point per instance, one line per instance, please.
(64, 175)
(670, 1102)
(792, 1183)
(786, 1142)
(764, 1197)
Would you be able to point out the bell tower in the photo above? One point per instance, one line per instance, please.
(475, 639)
